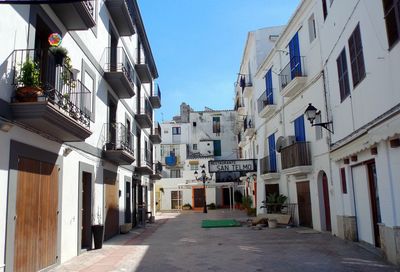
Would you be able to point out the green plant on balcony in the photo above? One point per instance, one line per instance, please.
(60, 53)
(29, 82)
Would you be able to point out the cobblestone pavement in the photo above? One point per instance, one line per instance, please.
(176, 242)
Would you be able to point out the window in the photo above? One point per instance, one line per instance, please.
(356, 56)
(268, 87)
(343, 75)
(176, 200)
(391, 9)
(176, 130)
(343, 180)
(194, 167)
(324, 9)
(175, 173)
(311, 28)
(295, 57)
(194, 146)
(216, 124)
(299, 129)
(217, 147)
(272, 153)
(318, 129)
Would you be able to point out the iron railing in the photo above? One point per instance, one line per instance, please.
(265, 100)
(115, 59)
(118, 137)
(157, 130)
(295, 68)
(297, 154)
(146, 158)
(244, 81)
(145, 107)
(59, 85)
(239, 103)
(89, 4)
(158, 168)
(157, 92)
(267, 165)
(248, 123)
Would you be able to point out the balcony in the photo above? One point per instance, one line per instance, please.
(155, 137)
(239, 106)
(119, 72)
(155, 99)
(266, 106)
(119, 144)
(268, 169)
(157, 171)
(143, 71)
(145, 116)
(77, 15)
(246, 84)
(241, 140)
(62, 106)
(121, 11)
(296, 158)
(248, 126)
(145, 165)
(293, 77)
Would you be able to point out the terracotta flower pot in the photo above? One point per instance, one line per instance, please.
(28, 94)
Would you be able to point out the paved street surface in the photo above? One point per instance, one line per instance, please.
(178, 243)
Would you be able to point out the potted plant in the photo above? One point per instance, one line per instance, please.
(29, 82)
(98, 231)
(274, 202)
(60, 53)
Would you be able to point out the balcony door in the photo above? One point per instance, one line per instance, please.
(113, 51)
(294, 51)
(112, 119)
(299, 130)
(272, 153)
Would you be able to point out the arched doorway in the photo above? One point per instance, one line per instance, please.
(323, 188)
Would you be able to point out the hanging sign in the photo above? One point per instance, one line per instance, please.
(232, 166)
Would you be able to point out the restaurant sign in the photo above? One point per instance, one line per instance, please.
(232, 166)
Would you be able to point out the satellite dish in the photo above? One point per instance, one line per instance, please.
(280, 143)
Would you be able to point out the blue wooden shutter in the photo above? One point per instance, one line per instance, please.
(268, 85)
(294, 51)
(299, 129)
(272, 153)
(217, 147)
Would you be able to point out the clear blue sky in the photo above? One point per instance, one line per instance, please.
(198, 45)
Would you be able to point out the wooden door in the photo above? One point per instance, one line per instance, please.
(86, 212)
(325, 189)
(35, 245)
(111, 209)
(304, 203)
(198, 198)
(226, 201)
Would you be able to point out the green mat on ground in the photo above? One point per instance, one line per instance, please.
(222, 223)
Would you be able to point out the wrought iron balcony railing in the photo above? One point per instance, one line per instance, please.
(58, 85)
(115, 59)
(118, 137)
(297, 154)
(295, 68)
(146, 156)
(265, 100)
(248, 123)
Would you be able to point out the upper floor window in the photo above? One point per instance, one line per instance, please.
(312, 31)
(194, 146)
(268, 87)
(176, 130)
(324, 9)
(356, 56)
(343, 75)
(216, 124)
(391, 9)
(175, 173)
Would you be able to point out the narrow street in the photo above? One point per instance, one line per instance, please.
(176, 242)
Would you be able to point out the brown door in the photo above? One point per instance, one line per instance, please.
(304, 203)
(374, 195)
(35, 244)
(111, 209)
(198, 198)
(325, 189)
(86, 210)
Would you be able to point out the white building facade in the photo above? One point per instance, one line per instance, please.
(79, 152)
(188, 147)
(339, 177)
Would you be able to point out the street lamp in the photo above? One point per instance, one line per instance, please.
(203, 178)
(311, 113)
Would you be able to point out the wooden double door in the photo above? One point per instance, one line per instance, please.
(35, 244)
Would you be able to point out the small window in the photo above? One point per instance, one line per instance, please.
(392, 18)
(311, 28)
(175, 173)
(216, 125)
(194, 124)
(194, 146)
(343, 75)
(356, 56)
(194, 167)
(324, 9)
(343, 180)
(176, 130)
